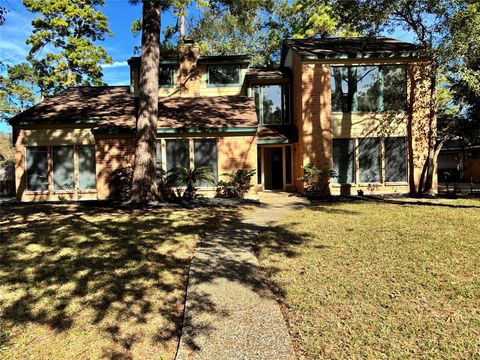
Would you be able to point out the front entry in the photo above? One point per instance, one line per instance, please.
(273, 162)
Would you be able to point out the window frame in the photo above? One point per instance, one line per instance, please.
(355, 165)
(353, 107)
(77, 168)
(74, 169)
(215, 85)
(405, 141)
(285, 104)
(27, 190)
(215, 171)
(172, 71)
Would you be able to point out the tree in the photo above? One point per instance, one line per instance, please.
(16, 90)
(7, 151)
(69, 30)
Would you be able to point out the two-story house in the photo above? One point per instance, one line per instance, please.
(359, 106)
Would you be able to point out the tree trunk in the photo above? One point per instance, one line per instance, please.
(144, 186)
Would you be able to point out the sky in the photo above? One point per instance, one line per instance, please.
(120, 45)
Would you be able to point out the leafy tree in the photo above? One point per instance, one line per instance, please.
(7, 151)
(67, 32)
(16, 90)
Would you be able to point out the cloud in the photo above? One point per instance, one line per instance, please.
(115, 64)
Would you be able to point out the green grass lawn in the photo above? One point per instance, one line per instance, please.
(380, 281)
(81, 282)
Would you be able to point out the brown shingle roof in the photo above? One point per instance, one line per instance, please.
(266, 73)
(378, 45)
(113, 108)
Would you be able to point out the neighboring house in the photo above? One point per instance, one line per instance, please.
(459, 163)
(357, 105)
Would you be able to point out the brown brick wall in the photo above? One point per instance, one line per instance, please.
(112, 154)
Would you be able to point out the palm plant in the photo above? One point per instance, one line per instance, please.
(190, 178)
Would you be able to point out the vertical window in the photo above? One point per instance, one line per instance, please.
(165, 76)
(344, 161)
(37, 168)
(219, 75)
(370, 160)
(63, 169)
(395, 159)
(159, 155)
(177, 154)
(271, 104)
(368, 88)
(86, 167)
(205, 155)
(288, 164)
(259, 165)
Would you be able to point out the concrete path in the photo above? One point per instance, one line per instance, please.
(230, 313)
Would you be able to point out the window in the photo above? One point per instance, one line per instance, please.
(165, 76)
(177, 154)
(205, 154)
(86, 167)
(370, 160)
(395, 159)
(288, 164)
(344, 161)
(63, 170)
(271, 104)
(368, 88)
(219, 75)
(37, 168)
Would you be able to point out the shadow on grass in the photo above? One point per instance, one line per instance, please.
(123, 267)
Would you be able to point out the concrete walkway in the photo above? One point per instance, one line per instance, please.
(230, 313)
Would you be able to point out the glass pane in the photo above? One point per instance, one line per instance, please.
(223, 74)
(368, 89)
(159, 154)
(395, 159)
(86, 167)
(344, 161)
(257, 93)
(272, 105)
(177, 154)
(370, 160)
(165, 75)
(63, 168)
(205, 154)
(259, 165)
(395, 88)
(37, 168)
(342, 89)
(288, 164)
(286, 104)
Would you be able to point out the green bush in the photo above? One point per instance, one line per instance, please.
(237, 186)
(317, 180)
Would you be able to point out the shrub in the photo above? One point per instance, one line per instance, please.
(238, 185)
(317, 180)
(189, 178)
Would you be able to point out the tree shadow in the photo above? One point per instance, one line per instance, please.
(120, 271)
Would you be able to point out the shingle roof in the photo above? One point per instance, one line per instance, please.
(330, 47)
(113, 108)
(265, 73)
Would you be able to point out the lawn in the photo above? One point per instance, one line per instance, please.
(82, 282)
(377, 280)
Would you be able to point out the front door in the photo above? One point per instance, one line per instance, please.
(273, 168)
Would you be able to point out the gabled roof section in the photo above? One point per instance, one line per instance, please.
(266, 73)
(84, 104)
(208, 59)
(350, 47)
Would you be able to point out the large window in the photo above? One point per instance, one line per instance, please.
(177, 154)
(221, 75)
(368, 88)
(271, 104)
(86, 167)
(344, 161)
(395, 159)
(165, 76)
(63, 169)
(369, 150)
(205, 154)
(37, 168)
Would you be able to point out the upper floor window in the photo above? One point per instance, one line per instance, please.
(221, 75)
(368, 88)
(271, 104)
(165, 76)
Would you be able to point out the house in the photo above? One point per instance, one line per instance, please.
(358, 106)
(458, 162)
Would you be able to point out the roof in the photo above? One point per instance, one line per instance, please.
(346, 47)
(277, 134)
(113, 109)
(266, 73)
(210, 59)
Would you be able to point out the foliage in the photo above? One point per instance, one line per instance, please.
(238, 185)
(16, 90)
(7, 151)
(68, 31)
(316, 180)
(120, 182)
(190, 178)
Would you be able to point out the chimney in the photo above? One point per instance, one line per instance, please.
(189, 73)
